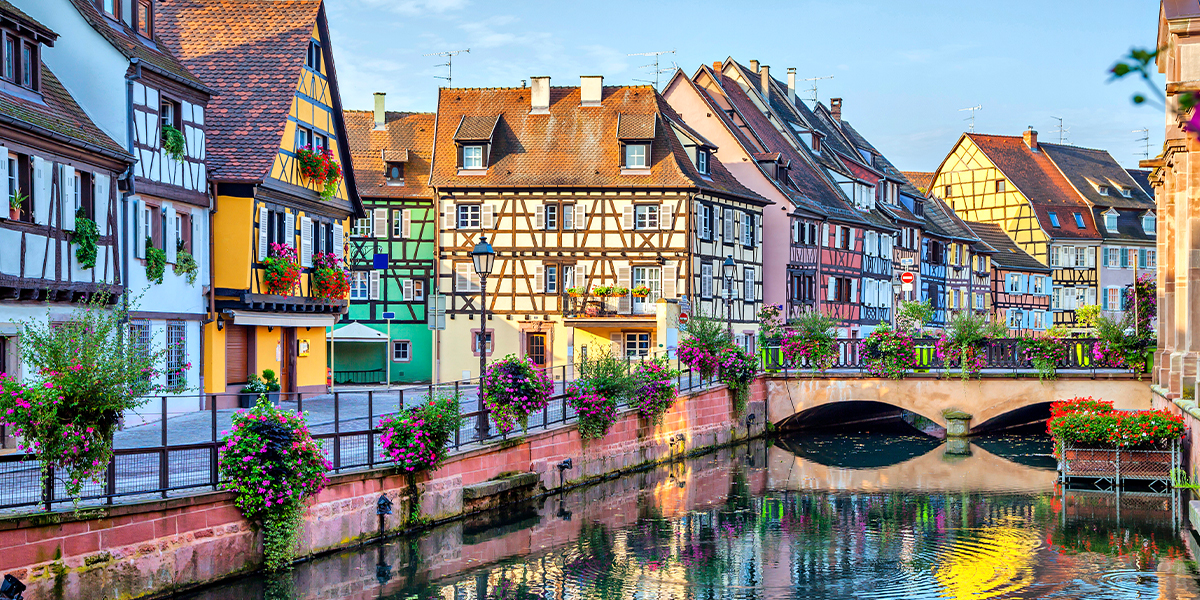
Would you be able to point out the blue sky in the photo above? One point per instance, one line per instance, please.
(903, 69)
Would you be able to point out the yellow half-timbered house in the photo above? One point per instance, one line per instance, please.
(272, 67)
(581, 190)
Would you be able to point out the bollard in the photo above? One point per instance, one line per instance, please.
(958, 423)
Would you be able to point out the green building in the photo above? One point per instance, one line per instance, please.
(391, 253)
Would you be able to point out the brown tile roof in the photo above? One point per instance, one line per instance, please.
(1008, 254)
(474, 128)
(252, 52)
(408, 139)
(59, 116)
(1179, 9)
(920, 179)
(636, 127)
(1036, 177)
(1085, 168)
(134, 46)
(573, 146)
(16, 14)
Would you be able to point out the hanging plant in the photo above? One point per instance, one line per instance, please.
(513, 388)
(172, 142)
(318, 166)
(185, 265)
(282, 270)
(273, 464)
(1045, 352)
(596, 411)
(156, 262)
(706, 338)
(85, 237)
(329, 277)
(889, 352)
(737, 370)
(811, 341)
(965, 343)
(656, 391)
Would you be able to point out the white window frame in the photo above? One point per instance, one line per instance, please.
(636, 156)
(1110, 222)
(468, 216)
(702, 161)
(364, 227)
(550, 279)
(706, 212)
(637, 343)
(749, 283)
(406, 347)
(550, 216)
(473, 157)
(360, 287)
(1153, 225)
(645, 216)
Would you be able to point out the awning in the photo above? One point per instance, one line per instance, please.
(356, 332)
(243, 317)
(624, 321)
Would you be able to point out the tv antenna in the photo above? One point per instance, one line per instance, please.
(1145, 141)
(449, 64)
(813, 90)
(971, 127)
(654, 66)
(1063, 132)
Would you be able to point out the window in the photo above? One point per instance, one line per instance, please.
(947, 191)
(169, 114)
(401, 351)
(1110, 221)
(706, 222)
(646, 216)
(145, 18)
(749, 293)
(1148, 224)
(844, 241)
(1079, 221)
(748, 230)
(10, 57)
(313, 59)
(1080, 256)
(468, 216)
(395, 173)
(635, 156)
(978, 301)
(702, 161)
(1112, 298)
(359, 285)
(1127, 192)
(472, 157)
(1014, 283)
(551, 216)
(139, 339)
(487, 340)
(111, 8)
(999, 186)
(568, 276)
(706, 280)
(568, 216)
(176, 355)
(1039, 286)
(362, 227)
(637, 344)
(551, 279)
(307, 138)
(1054, 220)
(1056, 296)
(27, 65)
(418, 286)
(1151, 259)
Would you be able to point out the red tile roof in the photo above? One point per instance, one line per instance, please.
(58, 116)
(920, 179)
(573, 146)
(408, 139)
(252, 52)
(133, 46)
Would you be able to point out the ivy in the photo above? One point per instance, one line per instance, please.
(185, 264)
(172, 142)
(85, 237)
(156, 262)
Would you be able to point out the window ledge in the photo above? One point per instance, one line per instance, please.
(639, 171)
(472, 172)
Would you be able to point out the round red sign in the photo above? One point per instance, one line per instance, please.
(907, 277)
(684, 318)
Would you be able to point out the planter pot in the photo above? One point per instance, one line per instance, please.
(247, 400)
(14, 213)
(273, 398)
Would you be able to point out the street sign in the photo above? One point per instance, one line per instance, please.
(907, 261)
(684, 304)
(906, 287)
(379, 261)
(684, 318)
(907, 277)
(389, 315)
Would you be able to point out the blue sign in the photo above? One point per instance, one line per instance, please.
(379, 261)
(389, 315)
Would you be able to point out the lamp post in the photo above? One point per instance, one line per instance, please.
(895, 301)
(483, 256)
(727, 269)
(1019, 317)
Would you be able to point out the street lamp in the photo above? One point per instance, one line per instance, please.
(727, 270)
(1018, 316)
(483, 256)
(895, 301)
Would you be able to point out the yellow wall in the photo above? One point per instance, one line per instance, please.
(265, 345)
(214, 359)
(233, 244)
(310, 370)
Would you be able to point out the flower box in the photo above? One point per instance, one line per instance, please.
(1120, 463)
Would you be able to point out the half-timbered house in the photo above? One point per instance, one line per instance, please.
(1018, 282)
(139, 94)
(392, 152)
(965, 261)
(1010, 181)
(581, 190)
(59, 171)
(271, 64)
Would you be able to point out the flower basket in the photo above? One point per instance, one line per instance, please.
(596, 411)
(514, 388)
(656, 390)
(640, 291)
(282, 270)
(329, 278)
(574, 292)
(889, 353)
(692, 353)
(618, 292)
(602, 291)
(319, 168)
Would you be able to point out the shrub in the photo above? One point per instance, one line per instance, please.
(607, 374)
(282, 270)
(912, 316)
(1045, 352)
(416, 437)
(1086, 315)
(172, 142)
(964, 342)
(890, 353)
(706, 338)
(85, 237)
(513, 388)
(1080, 404)
(596, 411)
(272, 464)
(656, 389)
(737, 369)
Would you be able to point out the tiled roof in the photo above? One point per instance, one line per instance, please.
(766, 156)
(252, 52)
(941, 220)
(1008, 254)
(1086, 168)
(636, 127)
(134, 46)
(59, 115)
(1129, 224)
(1035, 175)
(1180, 9)
(573, 146)
(408, 138)
(476, 128)
(19, 16)
(1142, 177)
(921, 180)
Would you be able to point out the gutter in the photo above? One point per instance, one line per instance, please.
(54, 135)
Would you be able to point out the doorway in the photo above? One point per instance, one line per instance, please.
(536, 345)
(650, 278)
(287, 363)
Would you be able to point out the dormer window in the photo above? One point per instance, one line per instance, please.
(1148, 224)
(28, 59)
(1127, 192)
(111, 8)
(636, 156)
(474, 140)
(702, 161)
(1079, 221)
(1103, 189)
(816, 143)
(1054, 220)
(313, 59)
(395, 173)
(472, 157)
(1110, 221)
(145, 18)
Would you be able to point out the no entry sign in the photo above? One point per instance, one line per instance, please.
(907, 277)
(684, 318)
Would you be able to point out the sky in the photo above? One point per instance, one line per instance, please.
(903, 69)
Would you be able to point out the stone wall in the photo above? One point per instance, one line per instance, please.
(155, 547)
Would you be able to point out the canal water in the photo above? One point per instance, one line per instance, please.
(806, 517)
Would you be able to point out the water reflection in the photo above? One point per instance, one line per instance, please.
(807, 518)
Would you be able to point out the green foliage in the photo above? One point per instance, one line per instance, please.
(172, 142)
(1045, 352)
(1086, 315)
(607, 374)
(85, 237)
(185, 264)
(1141, 62)
(912, 316)
(17, 200)
(596, 411)
(770, 325)
(810, 340)
(890, 353)
(737, 371)
(156, 262)
(656, 389)
(709, 333)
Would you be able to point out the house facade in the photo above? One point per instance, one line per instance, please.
(266, 114)
(60, 175)
(580, 190)
(392, 152)
(1018, 282)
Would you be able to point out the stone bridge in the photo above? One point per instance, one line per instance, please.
(789, 399)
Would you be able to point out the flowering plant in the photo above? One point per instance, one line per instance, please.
(1045, 352)
(416, 437)
(513, 388)
(965, 342)
(706, 339)
(329, 277)
(602, 291)
(1080, 405)
(890, 353)
(574, 292)
(596, 411)
(970, 359)
(271, 462)
(811, 341)
(640, 291)
(737, 370)
(770, 325)
(1088, 421)
(693, 353)
(282, 270)
(618, 291)
(318, 166)
(656, 389)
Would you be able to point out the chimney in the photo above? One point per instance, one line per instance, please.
(835, 108)
(1031, 139)
(591, 90)
(717, 66)
(754, 66)
(380, 117)
(792, 85)
(765, 82)
(539, 100)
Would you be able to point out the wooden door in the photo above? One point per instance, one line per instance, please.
(537, 348)
(237, 354)
(287, 364)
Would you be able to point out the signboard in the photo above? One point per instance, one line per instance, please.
(379, 261)
(906, 287)
(906, 261)
(685, 305)
(387, 316)
(437, 312)
(907, 277)
(684, 318)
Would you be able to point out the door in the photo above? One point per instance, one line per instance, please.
(237, 354)
(537, 348)
(287, 363)
(649, 277)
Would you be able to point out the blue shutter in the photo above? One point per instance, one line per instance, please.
(1028, 320)
(1024, 283)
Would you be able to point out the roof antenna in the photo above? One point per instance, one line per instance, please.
(654, 67)
(1145, 140)
(813, 90)
(1063, 132)
(449, 64)
(971, 127)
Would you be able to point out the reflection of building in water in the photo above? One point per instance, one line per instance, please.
(988, 563)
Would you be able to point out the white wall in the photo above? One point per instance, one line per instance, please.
(173, 294)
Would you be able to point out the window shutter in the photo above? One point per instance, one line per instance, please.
(139, 229)
(450, 217)
(706, 281)
(487, 217)
(462, 277)
(539, 279)
(4, 174)
(373, 284)
(289, 228)
(580, 217)
(539, 217)
(379, 223)
(698, 218)
(1024, 284)
(169, 241)
(263, 218)
(99, 194)
(831, 295)
(1090, 295)
(758, 229)
(568, 216)
(624, 306)
(837, 236)
(668, 281)
(338, 243)
(1091, 257)
(854, 290)
(627, 217)
(66, 196)
(408, 290)
(306, 240)
(614, 342)
(666, 216)
(406, 223)
(850, 238)
(580, 276)
(41, 191)
(729, 235)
